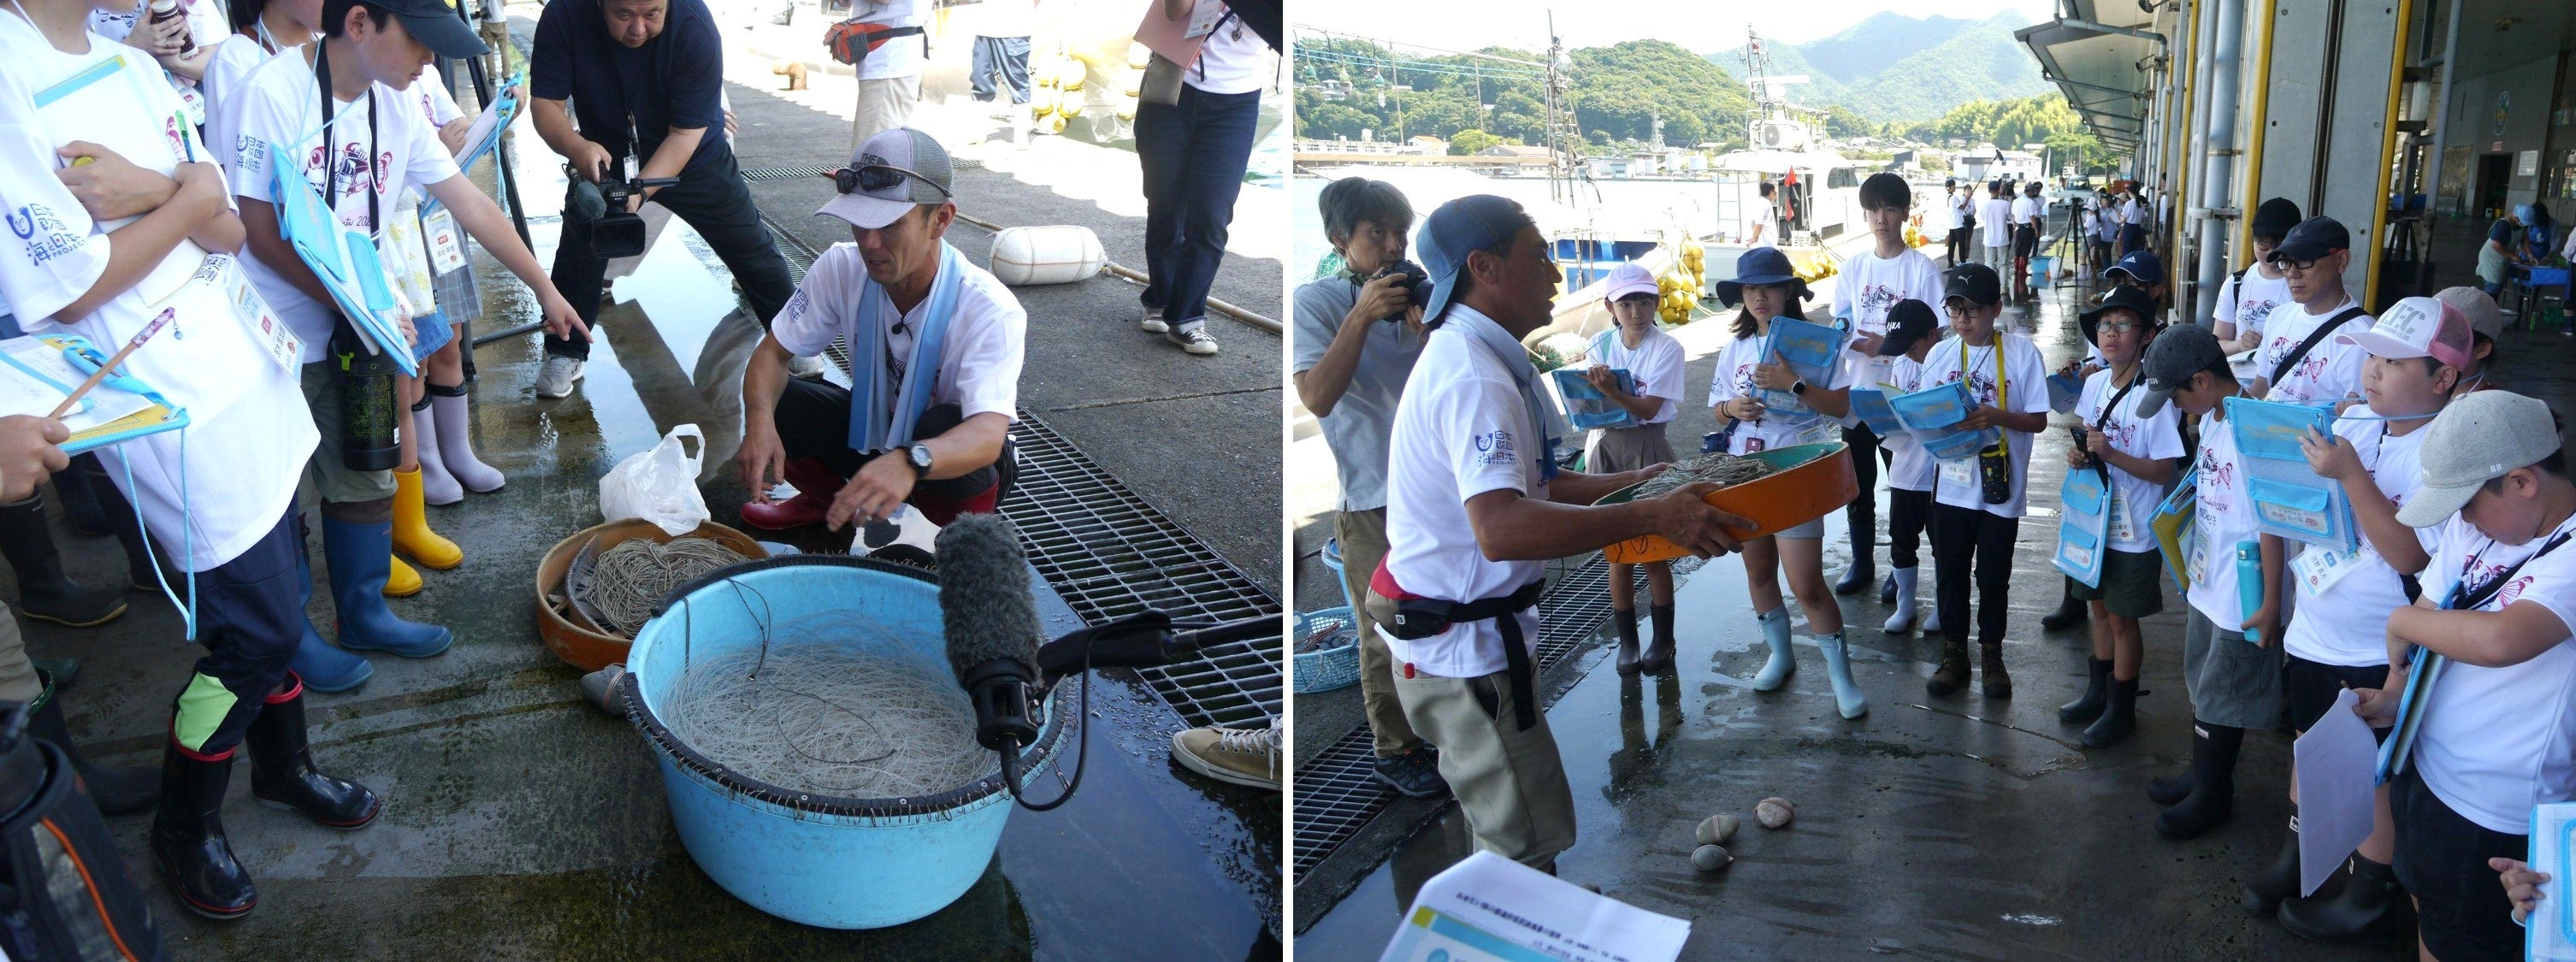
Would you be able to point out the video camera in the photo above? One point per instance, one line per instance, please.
(614, 232)
(1418, 282)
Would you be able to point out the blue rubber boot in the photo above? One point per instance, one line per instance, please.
(1784, 662)
(361, 557)
(323, 668)
(1847, 696)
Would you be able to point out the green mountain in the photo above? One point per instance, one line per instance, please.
(1891, 67)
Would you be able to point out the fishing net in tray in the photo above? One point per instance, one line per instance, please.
(616, 589)
(1722, 469)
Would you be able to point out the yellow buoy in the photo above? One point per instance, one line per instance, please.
(1138, 55)
(1070, 106)
(1071, 74)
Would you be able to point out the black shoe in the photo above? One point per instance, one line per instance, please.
(2368, 901)
(1658, 657)
(1953, 671)
(116, 791)
(2264, 894)
(2089, 707)
(188, 837)
(282, 773)
(1413, 774)
(1627, 624)
(1991, 676)
(2069, 612)
(2213, 793)
(2119, 717)
(44, 592)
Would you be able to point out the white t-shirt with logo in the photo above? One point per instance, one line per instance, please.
(1994, 214)
(1656, 362)
(242, 462)
(2247, 304)
(2347, 624)
(226, 72)
(280, 107)
(2329, 372)
(1733, 378)
(2497, 741)
(2222, 517)
(1234, 60)
(1865, 289)
(979, 365)
(2157, 438)
(1460, 431)
(1956, 483)
(1910, 467)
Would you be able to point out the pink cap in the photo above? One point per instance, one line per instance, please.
(1628, 278)
(2418, 327)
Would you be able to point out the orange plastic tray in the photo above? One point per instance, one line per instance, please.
(1814, 480)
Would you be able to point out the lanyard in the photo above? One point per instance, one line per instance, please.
(2460, 591)
(331, 146)
(2003, 390)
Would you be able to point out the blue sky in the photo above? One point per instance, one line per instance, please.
(1698, 26)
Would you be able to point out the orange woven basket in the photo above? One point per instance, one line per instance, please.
(1812, 481)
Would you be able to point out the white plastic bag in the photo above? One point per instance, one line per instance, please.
(660, 485)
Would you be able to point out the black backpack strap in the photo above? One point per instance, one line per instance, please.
(2315, 337)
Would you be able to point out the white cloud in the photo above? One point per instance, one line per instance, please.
(1699, 27)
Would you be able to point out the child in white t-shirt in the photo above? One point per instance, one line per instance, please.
(1978, 500)
(1654, 359)
(1911, 334)
(2136, 454)
(1869, 284)
(2497, 729)
(1769, 289)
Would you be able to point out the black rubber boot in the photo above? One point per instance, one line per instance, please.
(1953, 671)
(1864, 565)
(2368, 901)
(1659, 646)
(188, 837)
(2119, 716)
(2263, 894)
(2172, 790)
(1990, 670)
(2089, 707)
(1887, 590)
(2213, 792)
(282, 773)
(44, 592)
(116, 790)
(2069, 611)
(1626, 620)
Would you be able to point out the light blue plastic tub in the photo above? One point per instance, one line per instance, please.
(841, 863)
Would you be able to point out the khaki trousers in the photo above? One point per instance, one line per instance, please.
(883, 105)
(1509, 782)
(1363, 538)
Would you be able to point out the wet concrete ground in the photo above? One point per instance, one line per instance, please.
(1960, 827)
(522, 823)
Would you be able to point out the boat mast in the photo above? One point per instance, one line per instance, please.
(1564, 138)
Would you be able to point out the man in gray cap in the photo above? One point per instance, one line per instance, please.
(2495, 733)
(1476, 505)
(935, 345)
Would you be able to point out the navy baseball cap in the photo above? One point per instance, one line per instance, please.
(1761, 265)
(2142, 267)
(2314, 238)
(1972, 282)
(1908, 321)
(435, 24)
(2171, 360)
(2276, 217)
(1461, 227)
(2123, 297)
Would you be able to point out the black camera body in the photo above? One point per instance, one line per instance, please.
(614, 232)
(1418, 282)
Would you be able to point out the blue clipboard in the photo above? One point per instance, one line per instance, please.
(343, 260)
(82, 356)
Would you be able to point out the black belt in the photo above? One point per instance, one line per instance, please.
(1516, 658)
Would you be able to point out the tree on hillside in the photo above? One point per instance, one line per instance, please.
(1470, 142)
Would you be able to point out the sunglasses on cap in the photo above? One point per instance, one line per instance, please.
(877, 177)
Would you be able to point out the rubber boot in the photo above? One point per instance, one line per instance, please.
(360, 557)
(1626, 619)
(2368, 900)
(1953, 672)
(320, 665)
(436, 485)
(1783, 662)
(1903, 620)
(2089, 707)
(1659, 645)
(1887, 590)
(401, 580)
(2213, 791)
(1864, 563)
(456, 442)
(1847, 697)
(2277, 883)
(80, 503)
(2069, 611)
(116, 790)
(2119, 717)
(2170, 790)
(188, 836)
(411, 534)
(1932, 621)
(282, 773)
(1990, 670)
(44, 592)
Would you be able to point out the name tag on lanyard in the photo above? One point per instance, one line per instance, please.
(446, 246)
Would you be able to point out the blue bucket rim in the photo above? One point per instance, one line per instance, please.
(631, 693)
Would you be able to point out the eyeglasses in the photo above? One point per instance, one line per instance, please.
(2119, 327)
(2291, 265)
(876, 177)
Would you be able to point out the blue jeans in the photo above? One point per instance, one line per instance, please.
(1193, 154)
(1008, 56)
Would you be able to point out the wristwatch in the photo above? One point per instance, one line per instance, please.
(1799, 389)
(920, 456)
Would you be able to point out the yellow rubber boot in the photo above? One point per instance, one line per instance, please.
(411, 527)
(402, 582)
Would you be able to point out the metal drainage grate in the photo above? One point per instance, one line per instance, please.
(1337, 792)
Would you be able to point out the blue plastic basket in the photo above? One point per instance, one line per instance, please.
(1334, 666)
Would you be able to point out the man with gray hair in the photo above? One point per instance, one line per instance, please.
(935, 346)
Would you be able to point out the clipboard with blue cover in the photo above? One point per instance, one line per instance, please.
(345, 261)
(121, 408)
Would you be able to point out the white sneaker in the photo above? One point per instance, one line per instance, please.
(809, 367)
(1153, 322)
(1239, 756)
(556, 378)
(1193, 339)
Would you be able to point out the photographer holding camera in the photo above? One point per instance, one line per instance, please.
(1358, 332)
(646, 79)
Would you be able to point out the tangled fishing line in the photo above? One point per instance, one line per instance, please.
(819, 715)
(624, 584)
(1723, 469)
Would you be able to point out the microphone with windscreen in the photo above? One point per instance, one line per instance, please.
(991, 622)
